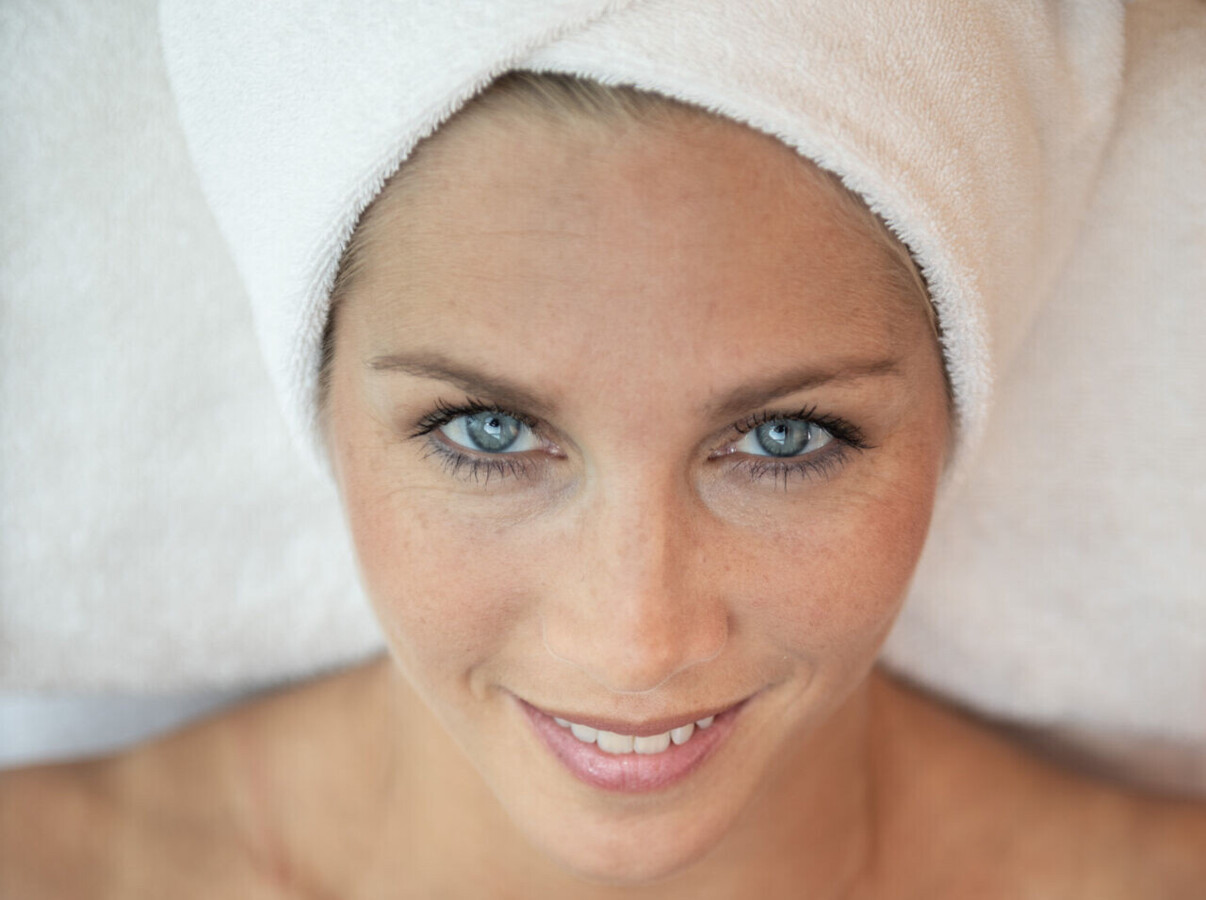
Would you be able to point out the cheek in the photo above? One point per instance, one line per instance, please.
(861, 549)
(828, 589)
(441, 587)
(444, 593)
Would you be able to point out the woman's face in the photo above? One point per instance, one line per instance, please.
(632, 430)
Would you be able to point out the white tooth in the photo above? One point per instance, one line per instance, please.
(683, 734)
(609, 742)
(585, 733)
(705, 723)
(655, 744)
(562, 722)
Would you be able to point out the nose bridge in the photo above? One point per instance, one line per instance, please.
(636, 609)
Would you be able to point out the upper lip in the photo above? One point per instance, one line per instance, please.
(641, 728)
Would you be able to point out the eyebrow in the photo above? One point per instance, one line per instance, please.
(437, 367)
(782, 384)
(742, 399)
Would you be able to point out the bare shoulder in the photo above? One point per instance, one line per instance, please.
(1169, 836)
(993, 806)
(142, 823)
(132, 825)
(203, 812)
(54, 821)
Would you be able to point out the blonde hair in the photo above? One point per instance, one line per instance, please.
(520, 95)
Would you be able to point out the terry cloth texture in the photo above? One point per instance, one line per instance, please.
(158, 531)
(1044, 180)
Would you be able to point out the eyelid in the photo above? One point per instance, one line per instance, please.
(476, 464)
(822, 463)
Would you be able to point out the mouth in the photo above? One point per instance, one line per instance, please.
(630, 757)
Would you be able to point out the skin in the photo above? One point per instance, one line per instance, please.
(642, 292)
(626, 299)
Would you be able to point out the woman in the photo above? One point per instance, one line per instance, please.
(638, 419)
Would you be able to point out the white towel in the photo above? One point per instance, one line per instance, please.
(1043, 595)
(1065, 580)
(976, 135)
(158, 532)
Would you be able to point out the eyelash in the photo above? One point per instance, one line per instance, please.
(463, 465)
(846, 437)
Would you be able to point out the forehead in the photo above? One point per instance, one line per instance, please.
(693, 235)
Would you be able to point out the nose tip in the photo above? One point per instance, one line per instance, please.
(640, 657)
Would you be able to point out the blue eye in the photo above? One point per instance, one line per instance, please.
(489, 431)
(783, 438)
(478, 441)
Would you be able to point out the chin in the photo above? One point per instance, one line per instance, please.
(628, 841)
(633, 851)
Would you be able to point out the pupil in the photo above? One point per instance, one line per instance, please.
(783, 437)
(491, 431)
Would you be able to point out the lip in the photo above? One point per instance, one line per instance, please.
(644, 728)
(631, 773)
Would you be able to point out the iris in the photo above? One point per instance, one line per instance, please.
(786, 437)
(492, 432)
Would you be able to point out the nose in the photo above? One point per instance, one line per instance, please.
(635, 601)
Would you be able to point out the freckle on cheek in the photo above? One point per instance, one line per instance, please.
(855, 578)
(442, 594)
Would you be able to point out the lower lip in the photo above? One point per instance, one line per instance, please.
(631, 773)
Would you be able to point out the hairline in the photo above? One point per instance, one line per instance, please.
(578, 102)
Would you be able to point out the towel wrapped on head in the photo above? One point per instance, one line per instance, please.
(975, 137)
